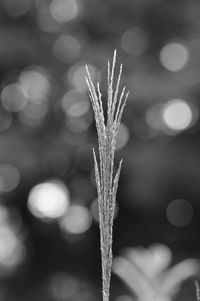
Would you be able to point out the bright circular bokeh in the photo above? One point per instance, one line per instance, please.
(49, 200)
(174, 56)
(177, 115)
(35, 84)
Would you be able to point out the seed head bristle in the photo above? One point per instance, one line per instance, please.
(106, 182)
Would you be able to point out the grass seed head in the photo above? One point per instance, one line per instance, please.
(106, 181)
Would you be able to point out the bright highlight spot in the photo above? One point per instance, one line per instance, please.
(63, 10)
(12, 98)
(177, 115)
(180, 213)
(134, 41)
(49, 200)
(174, 56)
(9, 177)
(66, 49)
(77, 220)
(35, 85)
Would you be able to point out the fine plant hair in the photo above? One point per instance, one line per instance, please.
(106, 181)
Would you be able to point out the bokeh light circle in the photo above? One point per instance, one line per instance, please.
(76, 76)
(12, 98)
(66, 48)
(154, 117)
(123, 137)
(33, 114)
(17, 8)
(63, 10)
(12, 250)
(9, 177)
(174, 56)
(49, 200)
(77, 220)
(63, 286)
(75, 103)
(35, 84)
(179, 213)
(177, 114)
(46, 22)
(134, 41)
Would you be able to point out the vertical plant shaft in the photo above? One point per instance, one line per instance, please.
(106, 181)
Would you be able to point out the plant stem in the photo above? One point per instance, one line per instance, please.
(107, 183)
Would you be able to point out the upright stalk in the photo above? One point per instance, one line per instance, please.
(106, 181)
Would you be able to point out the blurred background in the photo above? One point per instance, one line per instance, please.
(49, 233)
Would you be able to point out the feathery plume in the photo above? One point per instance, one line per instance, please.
(106, 181)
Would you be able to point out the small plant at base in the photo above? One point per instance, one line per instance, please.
(148, 274)
(106, 182)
